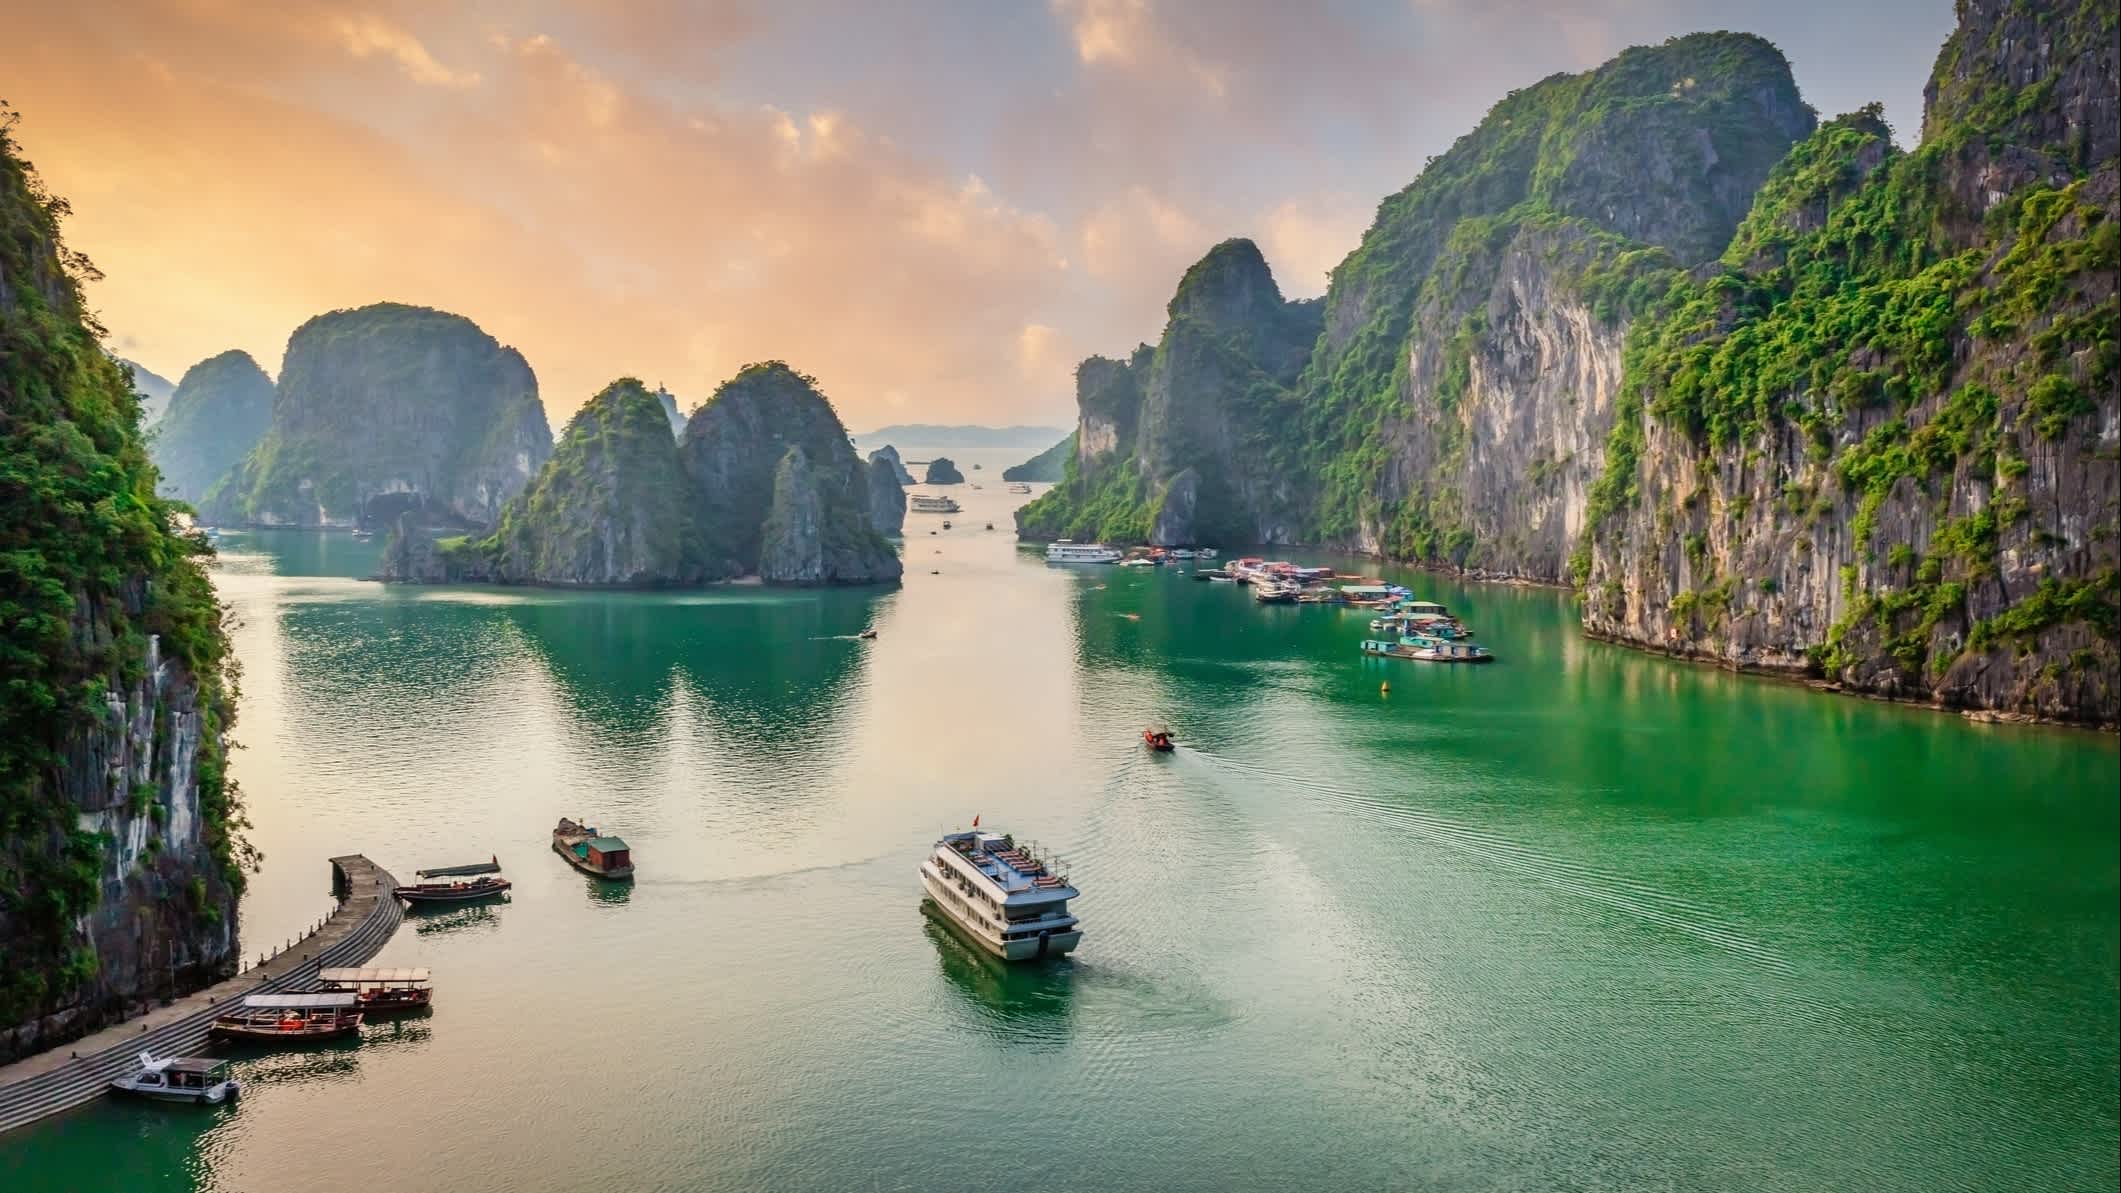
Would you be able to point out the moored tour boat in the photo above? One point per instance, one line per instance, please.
(592, 852)
(1001, 896)
(928, 503)
(1424, 649)
(487, 885)
(383, 991)
(202, 1079)
(291, 1018)
(1069, 551)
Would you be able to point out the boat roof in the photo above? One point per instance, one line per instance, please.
(192, 1064)
(371, 974)
(1367, 589)
(302, 1002)
(487, 867)
(1017, 886)
(605, 844)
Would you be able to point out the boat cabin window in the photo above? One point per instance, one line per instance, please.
(150, 1079)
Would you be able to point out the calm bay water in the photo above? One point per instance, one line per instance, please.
(1585, 919)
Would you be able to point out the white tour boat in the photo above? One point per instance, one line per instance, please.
(180, 1079)
(1066, 551)
(1002, 896)
(923, 503)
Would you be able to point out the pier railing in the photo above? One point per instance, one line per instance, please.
(47, 1083)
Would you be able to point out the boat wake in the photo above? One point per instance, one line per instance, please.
(1628, 895)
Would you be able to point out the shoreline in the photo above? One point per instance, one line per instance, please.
(1797, 677)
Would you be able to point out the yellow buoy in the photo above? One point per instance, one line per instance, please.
(1385, 688)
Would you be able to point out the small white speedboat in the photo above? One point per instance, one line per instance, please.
(180, 1079)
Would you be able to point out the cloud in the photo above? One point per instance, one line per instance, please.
(1305, 238)
(364, 34)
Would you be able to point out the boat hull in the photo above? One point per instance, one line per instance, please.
(1052, 944)
(277, 1035)
(452, 898)
(210, 1096)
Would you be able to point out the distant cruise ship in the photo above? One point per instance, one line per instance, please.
(1004, 897)
(922, 503)
(1065, 551)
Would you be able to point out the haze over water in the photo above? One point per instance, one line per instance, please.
(1585, 919)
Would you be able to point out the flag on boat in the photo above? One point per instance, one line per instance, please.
(975, 820)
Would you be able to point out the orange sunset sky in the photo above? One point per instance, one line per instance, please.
(935, 208)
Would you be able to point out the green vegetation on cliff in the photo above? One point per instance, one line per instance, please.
(1641, 165)
(1047, 466)
(389, 407)
(218, 413)
(608, 508)
(90, 567)
(1937, 328)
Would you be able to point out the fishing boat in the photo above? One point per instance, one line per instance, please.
(292, 1018)
(867, 635)
(1184, 553)
(1424, 649)
(485, 886)
(1140, 561)
(1271, 593)
(383, 991)
(363, 533)
(1019, 487)
(201, 1079)
(1003, 897)
(1069, 551)
(1206, 552)
(1158, 740)
(592, 852)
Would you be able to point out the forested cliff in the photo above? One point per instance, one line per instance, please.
(119, 855)
(1771, 393)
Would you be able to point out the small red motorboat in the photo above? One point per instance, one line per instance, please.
(1158, 740)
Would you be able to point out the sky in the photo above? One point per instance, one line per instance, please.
(935, 208)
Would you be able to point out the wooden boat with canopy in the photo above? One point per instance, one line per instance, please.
(487, 884)
(292, 1018)
(383, 991)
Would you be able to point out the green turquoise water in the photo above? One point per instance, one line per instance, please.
(1584, 919)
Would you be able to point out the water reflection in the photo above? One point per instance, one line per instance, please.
(608, 893)
(1029, 1004)
(449, 921)
(310, 1064)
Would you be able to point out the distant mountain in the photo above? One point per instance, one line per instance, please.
(154, 390)
(1049, 466)
(927, 435)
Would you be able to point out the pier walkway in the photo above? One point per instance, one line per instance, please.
(70, 1074)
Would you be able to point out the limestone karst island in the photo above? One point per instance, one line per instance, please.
(1107, 594)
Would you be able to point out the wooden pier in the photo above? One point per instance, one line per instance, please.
(68, 1075)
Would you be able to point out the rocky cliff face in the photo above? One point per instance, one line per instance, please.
(887, 493)
(216, 416)
(386, 409)
(1172, 444)
(890, 454)
(737, 451)
(119, 863)
(1047, 467)
(608, 510)
(942, 470)
(1879, 442)
(669, 402)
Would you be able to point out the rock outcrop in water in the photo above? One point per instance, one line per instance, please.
(119, 859)
(216, 416)
(1047, 467)
(764, 483)
(386, 409)
(887, 495)
(1775, 395)
(767, 454)
(1173, 443)
(942, 470)
(889, 454)
(609, 509)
